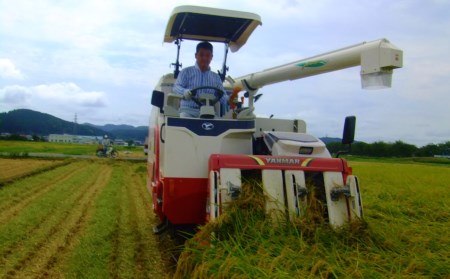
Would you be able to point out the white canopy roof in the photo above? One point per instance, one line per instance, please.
(211, 24)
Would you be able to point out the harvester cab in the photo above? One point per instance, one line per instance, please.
(197, 165)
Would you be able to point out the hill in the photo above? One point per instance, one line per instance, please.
(123, 131)
(25, 121)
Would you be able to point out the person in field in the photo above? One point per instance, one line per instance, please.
(106, 142)
(195, 76)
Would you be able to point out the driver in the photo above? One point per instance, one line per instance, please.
(196, 76)
(106, 144)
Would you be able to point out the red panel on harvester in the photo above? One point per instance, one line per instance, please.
(218, 161)
(184, 200)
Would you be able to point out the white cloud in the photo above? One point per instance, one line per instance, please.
(15, 94)
(70, 93)
(52, 94)
(8, 70)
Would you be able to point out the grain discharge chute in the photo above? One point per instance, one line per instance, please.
(197, 165)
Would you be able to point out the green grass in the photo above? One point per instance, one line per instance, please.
(20, 147)
(409, 160)
(404, 234)
(46, 147)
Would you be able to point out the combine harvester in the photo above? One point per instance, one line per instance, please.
(197, 165)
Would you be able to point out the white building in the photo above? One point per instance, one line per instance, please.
(66, 138)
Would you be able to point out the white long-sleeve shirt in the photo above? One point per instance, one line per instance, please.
(192, 77)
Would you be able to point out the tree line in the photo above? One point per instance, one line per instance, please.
(396, 149)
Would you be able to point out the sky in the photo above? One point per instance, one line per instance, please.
(100, 60)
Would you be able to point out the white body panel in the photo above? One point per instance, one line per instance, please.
(272, 181)
(295, 183)
(282, 143)
(337, 210)
(355, 199)
(284, 125)
(186, 154)
(291, 148)
(223, 186)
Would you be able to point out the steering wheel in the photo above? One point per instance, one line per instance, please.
(196, 99)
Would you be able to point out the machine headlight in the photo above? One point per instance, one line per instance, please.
(305, 150)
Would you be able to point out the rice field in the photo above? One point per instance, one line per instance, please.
(405, 233)
(12, 169)
(83, 219)
(93, 218)
(23, 148)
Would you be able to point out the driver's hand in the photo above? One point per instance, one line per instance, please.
(187, 94)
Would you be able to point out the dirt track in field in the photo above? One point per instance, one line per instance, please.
(46, 218)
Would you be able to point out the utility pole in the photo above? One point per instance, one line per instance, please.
(75, 123)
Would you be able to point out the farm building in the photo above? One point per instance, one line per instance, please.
(66, 138)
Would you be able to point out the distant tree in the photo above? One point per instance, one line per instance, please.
(429, 150)
(445, 148)
(432, 149)
(130, 143)
(401, 149)
(379, 149)
(334, 147)
(360, 148)
(396, 149)
(16, 137)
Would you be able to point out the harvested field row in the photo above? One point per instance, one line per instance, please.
(12, 169)
(85, 220)
(14, 199)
